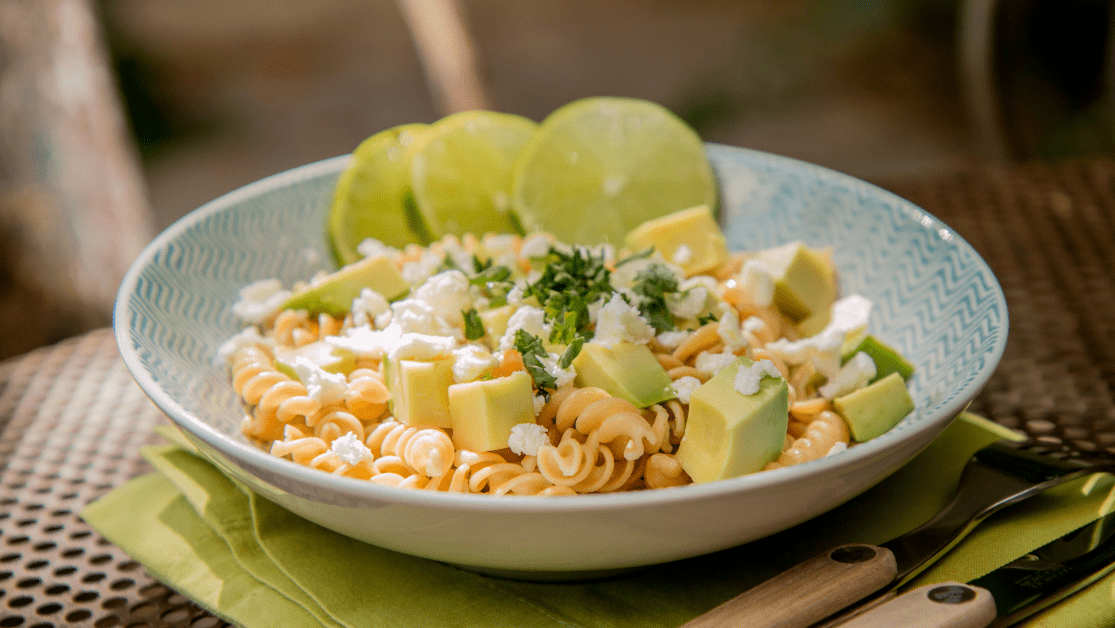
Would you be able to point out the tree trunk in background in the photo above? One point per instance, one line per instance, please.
(73, 204)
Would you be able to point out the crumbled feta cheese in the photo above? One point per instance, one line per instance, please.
(855, 374)
(370, 308)
(472, 361)
(618, 322)
(850, 313)
(753, 325)
(436, 307)
(535, 245)
(837, 447)
(730, 332)
(539, 403)
(515, 295)
(748, 378)
(260, 300)
(682, 255)
(687, 304)
(417, 271)
(562, 376)
(712, 363)
(526, 438)
(499, 243)
(756, 279)
(683, 387)
(527, 318)
(246, 337)
(673, 339)
(328, 388)
(371, 247)
(365, 342)
(349, 449)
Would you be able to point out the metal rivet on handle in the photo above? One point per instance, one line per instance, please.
(951, 594)
(852, 554)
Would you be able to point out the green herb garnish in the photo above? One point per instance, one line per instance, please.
(652, 284)
(474, 327)
(533, 351)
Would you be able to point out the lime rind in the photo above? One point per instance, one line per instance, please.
(370, 197)
(461, 172)
(598, 167)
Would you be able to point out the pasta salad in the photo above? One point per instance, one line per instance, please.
(506, 364)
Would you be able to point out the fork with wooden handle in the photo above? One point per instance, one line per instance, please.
(996, 476)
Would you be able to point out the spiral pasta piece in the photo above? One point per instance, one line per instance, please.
(825, 431)
(664, 470)
(367, 395)
(706, 338)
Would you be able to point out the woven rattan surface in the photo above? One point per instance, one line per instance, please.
(72, 420)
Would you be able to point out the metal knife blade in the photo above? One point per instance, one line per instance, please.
(1010, 593)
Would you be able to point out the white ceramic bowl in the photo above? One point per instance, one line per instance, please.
(935, 300)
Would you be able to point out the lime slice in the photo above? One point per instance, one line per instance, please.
(461, 172)
(596, 168)
(371, 195)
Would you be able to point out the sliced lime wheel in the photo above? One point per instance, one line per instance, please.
(598, 167)
(371, 195)
(461, 172)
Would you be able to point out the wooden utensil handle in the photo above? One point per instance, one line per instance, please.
(941, 605)
(808, 592)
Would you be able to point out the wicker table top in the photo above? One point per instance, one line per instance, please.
(72, 420)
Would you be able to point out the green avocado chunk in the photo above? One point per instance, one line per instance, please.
(887, 359)
(804, 283)
(729, 434)
(875, 408)
(419, 396)
(483, 412)
(324, 355)
(628, 370)
(334, 293)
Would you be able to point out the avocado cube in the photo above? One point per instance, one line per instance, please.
(324, 355)
(875, 408)
(495, 324)
(419, 396)
(689, 238)
(728, 434)
(483, 412)
(887, 359)
(628, 370)
(804, 282)
(333, 295)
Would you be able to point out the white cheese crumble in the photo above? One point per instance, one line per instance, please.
(753, 325)
(855, 374)
(472, 361)
(689, 303)
(371, 247)
(562, 376)
(682, 255)
(758, 281)
(436, 307)
(526, 438)
(260, 300)
(730, 332)
(539, 403)
(535, 245)
(684, 387)
(836, 448)
(527, 318)
(349, 449)
(618, 322)
(712, 363)
(672, 339)
(246, 337)
(416, 271)
(365, 342)
(850, 313)
(328, 388)
(370, 308)
(748, 378)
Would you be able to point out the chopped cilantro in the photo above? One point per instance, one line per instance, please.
(653, 283)
(706, 319)
(531, 348)
(571, 352)
(474, 327)
(570, 282)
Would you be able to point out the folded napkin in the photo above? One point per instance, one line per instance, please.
(256, 565)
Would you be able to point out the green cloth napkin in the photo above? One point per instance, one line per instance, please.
(256, 565)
